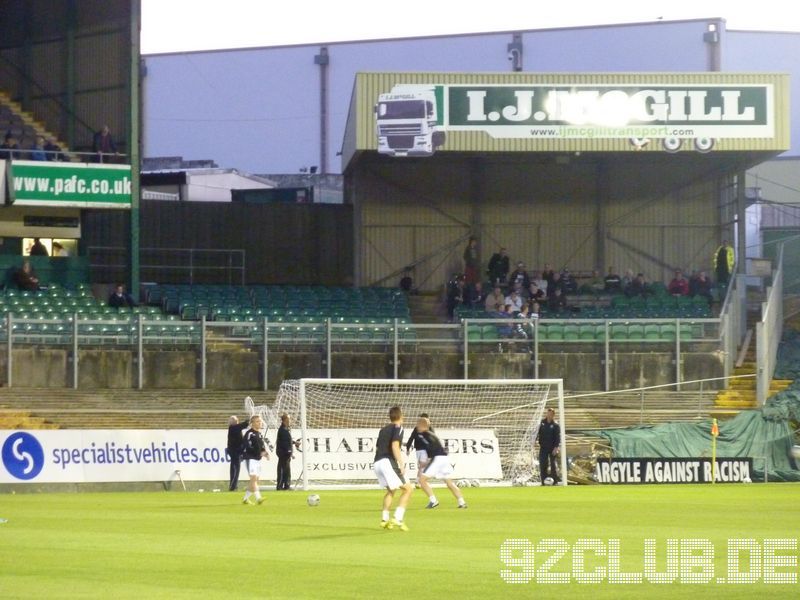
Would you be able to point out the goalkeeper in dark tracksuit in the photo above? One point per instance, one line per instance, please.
(549, 440)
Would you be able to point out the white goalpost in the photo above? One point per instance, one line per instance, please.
(488, 425)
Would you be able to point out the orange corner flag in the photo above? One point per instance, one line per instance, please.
(714, 428)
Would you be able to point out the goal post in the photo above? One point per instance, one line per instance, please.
(488, 425)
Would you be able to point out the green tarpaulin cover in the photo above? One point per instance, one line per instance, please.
(765, 435)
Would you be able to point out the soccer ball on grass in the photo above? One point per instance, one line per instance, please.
(313, 500)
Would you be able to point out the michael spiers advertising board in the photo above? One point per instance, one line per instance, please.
(110, 455)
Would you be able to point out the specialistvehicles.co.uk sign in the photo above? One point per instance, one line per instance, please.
(35, 183)
(97, 455)
(414, 119)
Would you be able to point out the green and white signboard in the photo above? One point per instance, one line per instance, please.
(35, 183)
(414, 119)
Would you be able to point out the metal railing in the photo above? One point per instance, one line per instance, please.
(769, 331)
(192, 265)
(391, 338)
(733, 318)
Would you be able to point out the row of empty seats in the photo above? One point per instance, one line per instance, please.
(243, 303)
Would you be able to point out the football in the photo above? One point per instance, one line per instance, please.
(548, 481)
(313, 500)
(795, 452)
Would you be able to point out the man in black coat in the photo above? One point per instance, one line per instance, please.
(284, 447)
(498, 267)
(234, 450)
(549, 439)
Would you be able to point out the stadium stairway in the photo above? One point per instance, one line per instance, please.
(128, 409)
(25, 127)
(741, 394)
(628, 409)
(426, 308)
(209, 409)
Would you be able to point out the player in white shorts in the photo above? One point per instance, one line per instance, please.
(439, 466)
(388, 467)
(254, 449)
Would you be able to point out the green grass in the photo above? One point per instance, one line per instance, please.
(204, 545)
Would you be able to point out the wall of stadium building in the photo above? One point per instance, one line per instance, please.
(569, 215)
(71, 70)
(234, 369)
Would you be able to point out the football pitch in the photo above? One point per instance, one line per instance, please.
(209, 545)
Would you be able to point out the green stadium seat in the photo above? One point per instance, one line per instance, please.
(619, 332)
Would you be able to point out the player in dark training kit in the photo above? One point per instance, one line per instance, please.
(422, 452)
(389, 466)
(549, 439)
(439, 466)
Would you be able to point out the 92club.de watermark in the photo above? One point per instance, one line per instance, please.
(684, 561)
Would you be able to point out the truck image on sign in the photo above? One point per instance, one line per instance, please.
(408, 120)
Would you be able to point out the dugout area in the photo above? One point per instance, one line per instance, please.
(585, 197)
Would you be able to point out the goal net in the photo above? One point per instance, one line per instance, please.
(488, 426)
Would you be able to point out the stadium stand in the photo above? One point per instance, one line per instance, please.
(23, 126)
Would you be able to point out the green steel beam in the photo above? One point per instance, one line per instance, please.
(69, 68)
(133, 145)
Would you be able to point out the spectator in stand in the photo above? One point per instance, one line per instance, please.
(406, 282)
(495, 300)
(498, 267)
(540, 282)
(26, 278)
(702, 286)
(9, 149)
(557, 302)
(637, 287)
(627, 279)
(678, 286)
(568, 283)
(38, 248)
(535, 310)
(508, 312)
(104, 145)
(52, 150)
(548, 274)
(520, 330)
(475, 296)
(514, 299)
(455, 296)
(724, 259)
(554, 285)
(520, 276)
(471, 262)
(613, 282)
(119, 298)
(37, 152)
(535, 294)
(59, 250)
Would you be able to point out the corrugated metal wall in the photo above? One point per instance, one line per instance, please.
(304, 244)
(649, 220)
(35, 67)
